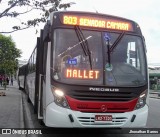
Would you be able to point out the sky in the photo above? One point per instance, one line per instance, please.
(145, 12)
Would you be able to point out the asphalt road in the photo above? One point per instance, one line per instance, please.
(154, 113)
(153, 122)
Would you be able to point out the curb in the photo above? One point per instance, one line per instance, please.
(154, 94)
(28, 123)
(22, 124)
(155, 97)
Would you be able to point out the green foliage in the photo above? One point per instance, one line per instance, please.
(8, 55)
(44, 7)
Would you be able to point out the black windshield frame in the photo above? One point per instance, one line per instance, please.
(120, 58)
(98, 81)
(104, 58)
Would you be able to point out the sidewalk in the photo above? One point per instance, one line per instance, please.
(11, 111)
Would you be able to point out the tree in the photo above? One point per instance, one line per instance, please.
(8, 55)
(44, 7)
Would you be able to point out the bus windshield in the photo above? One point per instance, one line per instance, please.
(71, 65)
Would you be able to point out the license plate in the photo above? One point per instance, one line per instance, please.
(103, 117)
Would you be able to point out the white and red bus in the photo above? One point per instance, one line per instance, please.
(89, 70)
(22, 76)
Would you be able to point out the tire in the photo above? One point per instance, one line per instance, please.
(41, 122)
(26, 90)
(28, 100)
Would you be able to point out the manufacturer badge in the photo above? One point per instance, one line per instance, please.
(103, 108)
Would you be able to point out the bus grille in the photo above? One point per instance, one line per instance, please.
(91, 121)
(101, 96)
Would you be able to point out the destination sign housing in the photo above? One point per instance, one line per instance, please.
(97, 22)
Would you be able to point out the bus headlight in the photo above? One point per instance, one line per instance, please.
(59, 98)
(142, 100)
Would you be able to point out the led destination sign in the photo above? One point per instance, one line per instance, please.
(82, 74)
(97, 22)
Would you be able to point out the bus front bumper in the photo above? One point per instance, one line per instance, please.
(61, 117)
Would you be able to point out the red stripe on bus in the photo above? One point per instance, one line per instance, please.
(100, 106)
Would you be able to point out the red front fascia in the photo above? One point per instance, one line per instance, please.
(101, 107)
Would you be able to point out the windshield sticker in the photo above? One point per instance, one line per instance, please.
(56, 76)
(72, 61)
(109, 67)
(110, 79)
(107, 36)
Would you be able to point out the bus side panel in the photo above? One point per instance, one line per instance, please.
(31, 86)
(22, 77)
(39, 77)
(47, 93)
(21, 81)
(38, 66)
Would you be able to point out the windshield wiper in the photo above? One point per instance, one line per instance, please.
(107, 39)
(109, 55)
(110, 49)
(84, 44)
(116, 42)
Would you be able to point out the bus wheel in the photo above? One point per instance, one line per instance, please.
(28, 100)
(41, 122)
